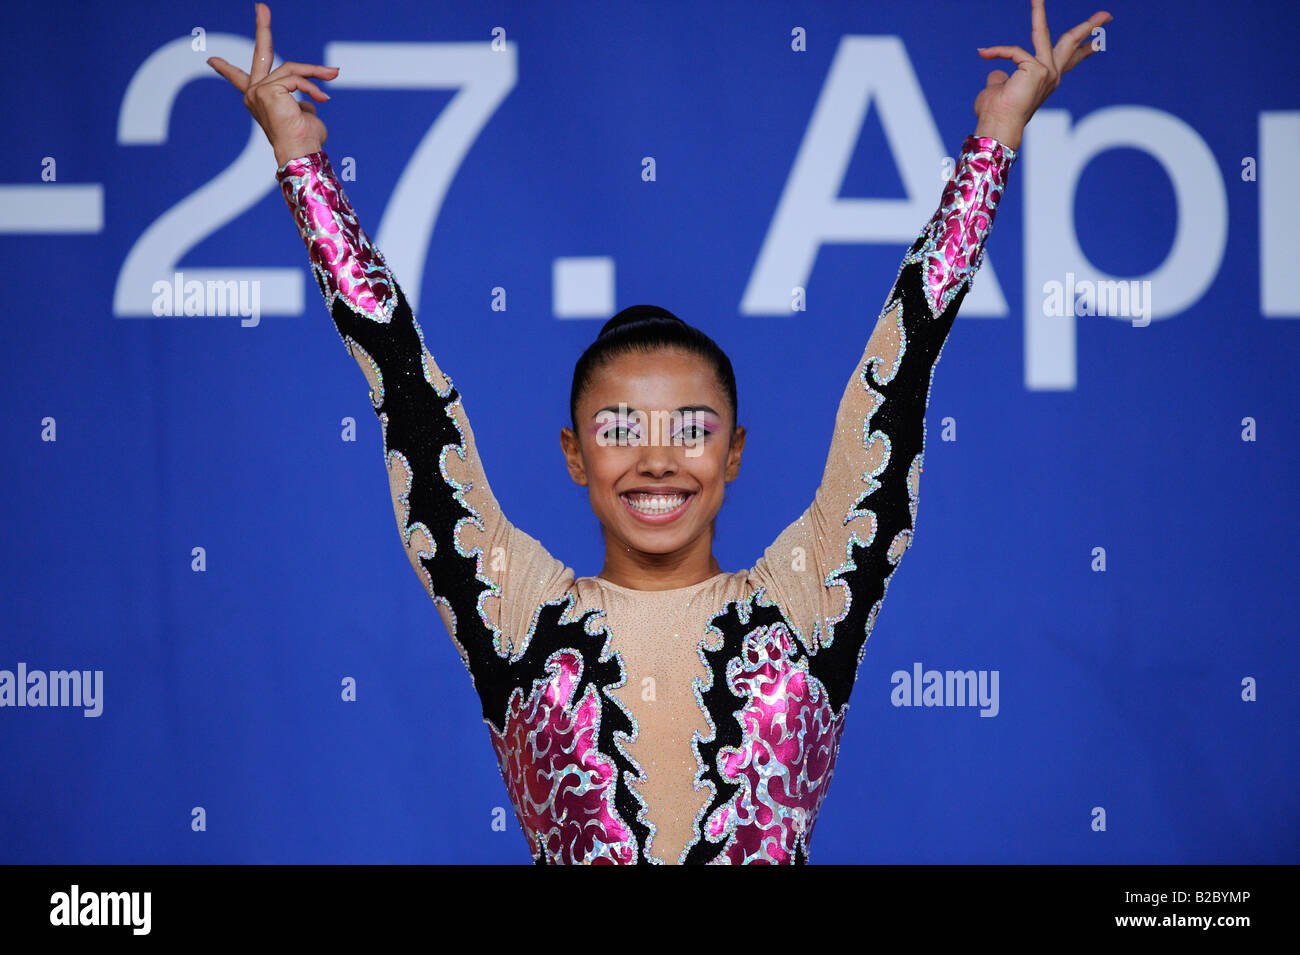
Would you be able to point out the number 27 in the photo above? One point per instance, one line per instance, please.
(482, 77)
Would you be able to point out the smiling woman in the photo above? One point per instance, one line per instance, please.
(664, 710)
(658, 440)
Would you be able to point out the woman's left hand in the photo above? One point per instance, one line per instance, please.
(1005, 105)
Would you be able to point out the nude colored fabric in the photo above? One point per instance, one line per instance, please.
(785, 636)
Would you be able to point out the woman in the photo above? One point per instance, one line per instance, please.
(665, 710)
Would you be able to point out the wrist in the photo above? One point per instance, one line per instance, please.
(1007, 133)
(283, 154)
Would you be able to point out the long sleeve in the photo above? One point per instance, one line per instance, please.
(829, 569)
(484, 574)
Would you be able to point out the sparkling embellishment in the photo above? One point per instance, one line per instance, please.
(784, 765)
(954, 238)
(560, 783)
(615, 727)
(343, 259)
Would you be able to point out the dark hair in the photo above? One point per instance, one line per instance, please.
(644, 328)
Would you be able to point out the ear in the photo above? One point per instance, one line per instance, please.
(733, 454)
(573, 456)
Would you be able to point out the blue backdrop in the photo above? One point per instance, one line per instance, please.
(1111, 525)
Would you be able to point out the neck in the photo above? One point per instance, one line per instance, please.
(639, 570)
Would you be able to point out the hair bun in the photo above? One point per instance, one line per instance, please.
(641, 331)
(637, 314)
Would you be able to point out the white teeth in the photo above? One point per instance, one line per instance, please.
(655, 503)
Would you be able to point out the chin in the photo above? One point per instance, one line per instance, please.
(654, 542)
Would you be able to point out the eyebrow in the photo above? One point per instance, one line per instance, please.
(614, 408)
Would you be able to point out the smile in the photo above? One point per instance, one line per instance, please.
(657, 508)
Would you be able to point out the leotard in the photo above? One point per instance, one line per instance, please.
(694, 725)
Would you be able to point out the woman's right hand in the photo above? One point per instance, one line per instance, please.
(291, 125)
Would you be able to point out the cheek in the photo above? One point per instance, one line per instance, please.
(603, 468)
(710, 467)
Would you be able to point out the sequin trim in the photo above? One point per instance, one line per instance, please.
(343, 259)
(775, 705)
(547, 700)
(954, 237)
(554, 843)
(559, 781)
(784, 764)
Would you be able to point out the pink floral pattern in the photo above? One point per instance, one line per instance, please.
(561, 785)
(344, 260)
(954, 237)
(786, 758)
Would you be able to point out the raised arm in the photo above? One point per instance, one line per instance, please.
(484, 574)
(472, 561)
(829, 570)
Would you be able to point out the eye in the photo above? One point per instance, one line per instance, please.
(618, 433)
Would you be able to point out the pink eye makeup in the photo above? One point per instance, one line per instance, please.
(687, 425)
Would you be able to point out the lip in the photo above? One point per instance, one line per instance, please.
(655, 519)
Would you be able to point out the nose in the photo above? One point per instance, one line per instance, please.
(657, 460)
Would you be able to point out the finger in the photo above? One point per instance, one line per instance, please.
(1016, 53)
(292, 82)
(1079, 55)
(307, 107)
(297, 79)
(304, 69)
(1071, 39)
(1042, 39)
(996, 78)
(312, 90)
(238, 78)
(262, 52)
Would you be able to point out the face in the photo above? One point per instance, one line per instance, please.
(655, 480)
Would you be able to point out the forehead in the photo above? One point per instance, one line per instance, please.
(668, 376)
